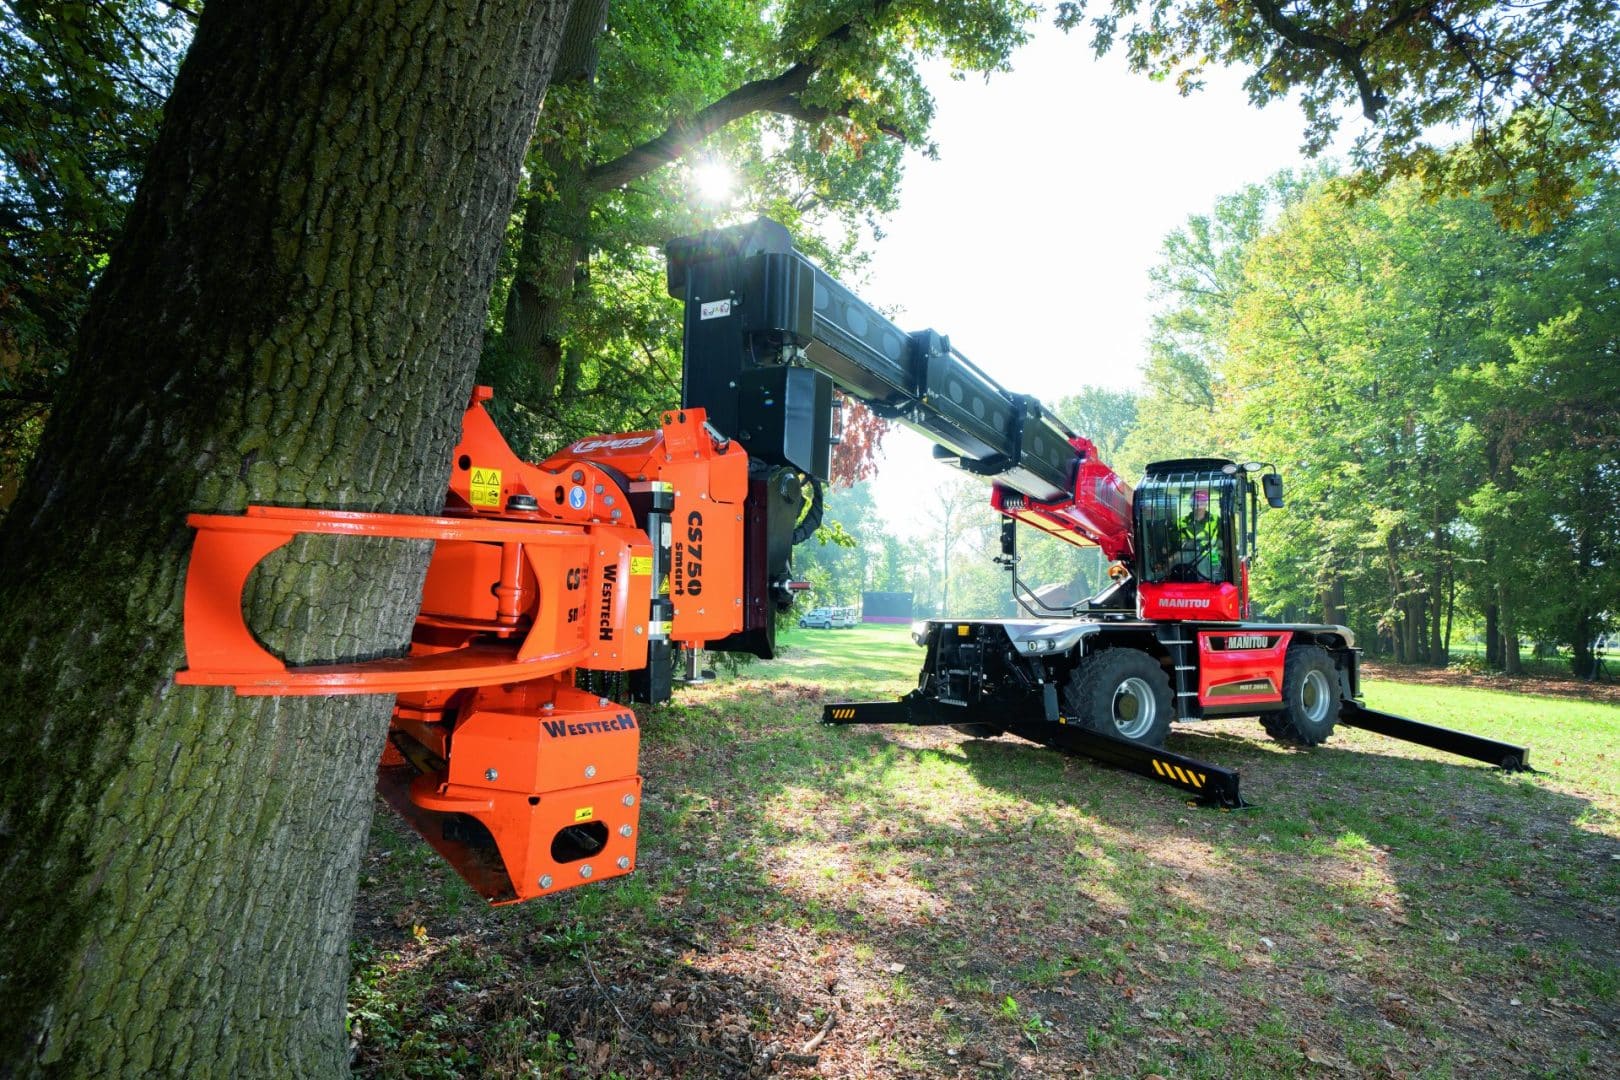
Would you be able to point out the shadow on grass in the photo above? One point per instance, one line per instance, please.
(951, 903)
(1352, 855)
(1498, 861)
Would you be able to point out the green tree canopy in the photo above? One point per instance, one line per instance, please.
(1442, 395)
(809, 107)
(1531, 89)
(85, 86)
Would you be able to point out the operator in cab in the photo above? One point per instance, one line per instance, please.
(1200, 539)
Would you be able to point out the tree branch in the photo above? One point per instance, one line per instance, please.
(687, 132)
(1347, 55)
(779, 94)
(30, 395)
(1461, 43)
(796, 109)
(191, 13)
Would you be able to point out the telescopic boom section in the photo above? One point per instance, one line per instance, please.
(769, 334)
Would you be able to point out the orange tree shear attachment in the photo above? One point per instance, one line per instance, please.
(524, 783)
(540, 792)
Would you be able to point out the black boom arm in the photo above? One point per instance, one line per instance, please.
(769, 334)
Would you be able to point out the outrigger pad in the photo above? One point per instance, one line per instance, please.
(1212, 785)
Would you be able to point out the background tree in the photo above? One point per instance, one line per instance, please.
(860, 435)
(1534, 85)
(292, 316)
(1105, 416)
(845, 555)
(1543, 422)
(1357, 315)
(85, 90)
(1197, 282)
(805, 109)
(1439, 392)
(959, 518)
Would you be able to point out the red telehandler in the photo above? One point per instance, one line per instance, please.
(621, 551)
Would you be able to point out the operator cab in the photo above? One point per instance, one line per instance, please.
(1194, 520)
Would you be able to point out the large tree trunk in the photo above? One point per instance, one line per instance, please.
(1397, 604)
(1451, 611)
(1333, 612)
(1412, 625)
(1583, 661)
(292, 317)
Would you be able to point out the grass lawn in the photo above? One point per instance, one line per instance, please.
(878, 902)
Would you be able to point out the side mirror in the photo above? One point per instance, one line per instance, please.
(1271, 484)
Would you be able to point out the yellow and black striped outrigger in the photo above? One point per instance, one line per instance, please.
(1212, 785)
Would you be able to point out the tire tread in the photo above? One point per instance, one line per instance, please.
(1288, 726)
(1093, 682)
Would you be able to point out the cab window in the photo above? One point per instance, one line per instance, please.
(1186, 530)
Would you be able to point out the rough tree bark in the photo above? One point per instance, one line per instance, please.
(293, 316)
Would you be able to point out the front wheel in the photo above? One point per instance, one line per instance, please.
(1310, 693)
(1122, 693)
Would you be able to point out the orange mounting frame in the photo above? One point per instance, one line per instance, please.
(222, 651)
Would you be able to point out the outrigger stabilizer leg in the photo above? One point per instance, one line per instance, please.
(1211, 785)
(1506, 756)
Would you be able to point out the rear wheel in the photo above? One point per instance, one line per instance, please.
(1310, 694)
(1122, 693)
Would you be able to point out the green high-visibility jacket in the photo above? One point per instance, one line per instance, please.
(1204, 537)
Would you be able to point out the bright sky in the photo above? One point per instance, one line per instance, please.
(1029, 240)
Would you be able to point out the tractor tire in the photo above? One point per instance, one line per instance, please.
(1122, 693)
(979, 731)
(1310, 692)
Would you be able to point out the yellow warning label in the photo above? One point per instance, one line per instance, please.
(640, 565)
(584, 813)
(485, 488)
(963, 631)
